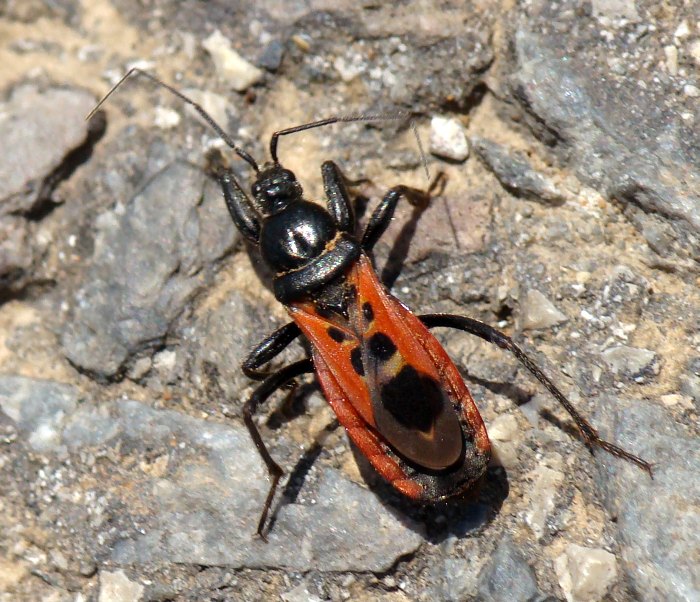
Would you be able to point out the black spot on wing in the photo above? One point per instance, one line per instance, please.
(356, 361)
(336, 334)
(367, 311)
(381, 347)
(414, 400)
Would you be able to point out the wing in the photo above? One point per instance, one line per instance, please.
(393, 387)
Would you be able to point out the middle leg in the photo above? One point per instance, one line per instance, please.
(261, 394)
(268, 349)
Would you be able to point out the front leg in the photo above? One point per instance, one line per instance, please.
(490, 334)
(267, 349)
(267, 388)
(337, 197)
(239, 206)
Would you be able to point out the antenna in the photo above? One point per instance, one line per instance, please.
(197, 107)
(347, 119)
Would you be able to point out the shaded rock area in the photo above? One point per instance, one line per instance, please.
(655, 517)
(44, 136)
(150, 259)
(569, 219)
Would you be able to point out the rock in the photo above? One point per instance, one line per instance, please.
(299, 594)
(585, 574)
(615, 9)
(117, 587)
(271, 56)
(231, 67)
(219, 108)
(42, 128)
(11, 575)
(221, 340)
(546, 481)
(504, 433)
(16, 252)
(657, 519)
(168, 236)
(629, 361)
(200, 497)
(597, 134)
(507, 577)
(39, 408)
(515, 173)
(448, 139)
(539, 312)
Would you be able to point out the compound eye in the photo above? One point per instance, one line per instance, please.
(288, 176)
(255, 189)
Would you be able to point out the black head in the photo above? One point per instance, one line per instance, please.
(275, 188)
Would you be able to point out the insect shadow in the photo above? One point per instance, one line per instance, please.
(460, 516)
(457, 516)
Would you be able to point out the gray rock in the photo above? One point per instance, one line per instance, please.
(585, 573)
(198, 488)
(515, 173)
(151, 257)
(658, 520)
(615, 9)
(629, 361)
(38, 130)
(597, 130)
(39, 408)
(16, 253)
(539, 312)
(231, 66)
(271, 56)
(221, 341)
(507, 577)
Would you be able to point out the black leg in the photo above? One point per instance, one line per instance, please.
(267, 388)
(239, 206)
(382, 215)
(338, 200)
(490, 334)
(268, 349)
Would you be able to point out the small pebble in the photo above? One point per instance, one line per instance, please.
(585, 574)
(539, 312)
(231, 67)
(117, 587)
(448, 140)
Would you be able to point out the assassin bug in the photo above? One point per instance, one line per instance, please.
(392, 386)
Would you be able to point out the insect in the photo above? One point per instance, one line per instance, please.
(392, 386)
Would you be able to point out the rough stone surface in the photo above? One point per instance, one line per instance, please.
(206, 483)
(448, 139)
(629, 361)
(164, 236)
(652, 175)
(508, 576)
(43, 132)
(127, 305)
(515, 173)
(116, 587)
(585, 573)
(38, 129)
(657, 519)
(231, 67)
(539, 312)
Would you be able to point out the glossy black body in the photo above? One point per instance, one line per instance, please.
(306, 245)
